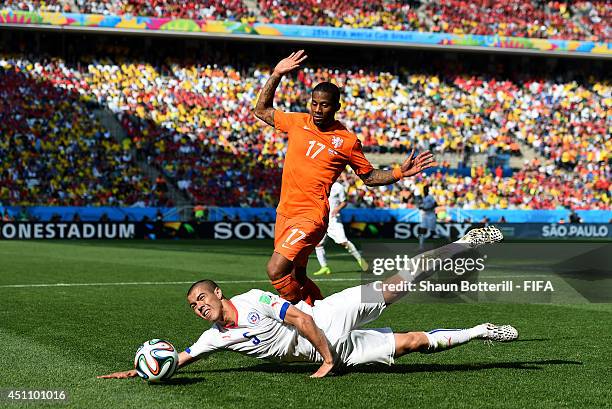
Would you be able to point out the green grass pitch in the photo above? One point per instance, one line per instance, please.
(61, 337)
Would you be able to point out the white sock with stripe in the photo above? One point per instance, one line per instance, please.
(320, 250)
(441, 339)
(353, 250)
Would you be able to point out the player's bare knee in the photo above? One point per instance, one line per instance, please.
(274, 272)
(419, 341)
(410, 342)
(278, 266)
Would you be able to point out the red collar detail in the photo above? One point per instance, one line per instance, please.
(236, 311)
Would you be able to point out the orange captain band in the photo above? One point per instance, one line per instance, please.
(397, 173)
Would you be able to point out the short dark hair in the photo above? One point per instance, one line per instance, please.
(328, 88)
(209, 284)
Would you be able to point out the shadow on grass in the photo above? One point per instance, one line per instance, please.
(399, 368)
(531, 340)
(179, 381)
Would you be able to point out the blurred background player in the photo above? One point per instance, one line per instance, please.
(427, 227)
(335, 231)
(319, 148)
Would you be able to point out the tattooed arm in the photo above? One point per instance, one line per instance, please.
(379, 177)
(264, 109)
(411, 166)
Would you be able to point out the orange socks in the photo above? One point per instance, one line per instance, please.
(310, 292)
(288, 288)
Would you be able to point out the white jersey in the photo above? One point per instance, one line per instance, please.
(259, 329)
(429, 204)
(337, 195)
(428, 213)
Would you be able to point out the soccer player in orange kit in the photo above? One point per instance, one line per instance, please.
(318, 150)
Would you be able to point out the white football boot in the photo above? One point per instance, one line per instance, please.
(499, 333)
(481, 236)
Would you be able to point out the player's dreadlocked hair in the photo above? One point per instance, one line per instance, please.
(329, 88)
(209, 284)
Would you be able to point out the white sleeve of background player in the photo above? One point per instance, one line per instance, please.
(206, 344)
(271, 305)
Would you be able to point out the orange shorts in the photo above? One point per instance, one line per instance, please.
(297, 237)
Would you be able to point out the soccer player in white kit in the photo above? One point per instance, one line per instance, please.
(263, 325)
(428, 216)
(335, 231)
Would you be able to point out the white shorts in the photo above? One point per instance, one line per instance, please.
(428, 220)
(335, 230)
(341, 315)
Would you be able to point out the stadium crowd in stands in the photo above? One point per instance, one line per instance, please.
(195, 123)
(55, 152)
(196, 10)
(536, 186)
(390, 15)
(33, 5)
(519, 18)
(525, 18)
(576, 20)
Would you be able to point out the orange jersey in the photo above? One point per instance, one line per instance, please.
(313, 162)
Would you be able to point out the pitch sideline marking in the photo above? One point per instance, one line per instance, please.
(153, 283)
(127, 283)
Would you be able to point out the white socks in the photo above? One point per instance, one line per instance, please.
(350, 247)
(353, 250)
(441, 339)
(320, 250)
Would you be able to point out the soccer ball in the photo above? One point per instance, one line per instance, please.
(156, 360)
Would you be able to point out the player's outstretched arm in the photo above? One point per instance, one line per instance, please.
(309, 330)
(184, 359)
(264, 109)
(413, 165)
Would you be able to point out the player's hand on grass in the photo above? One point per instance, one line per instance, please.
(290, 63)
(120, 375)
(323, 370)
(414, 165)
